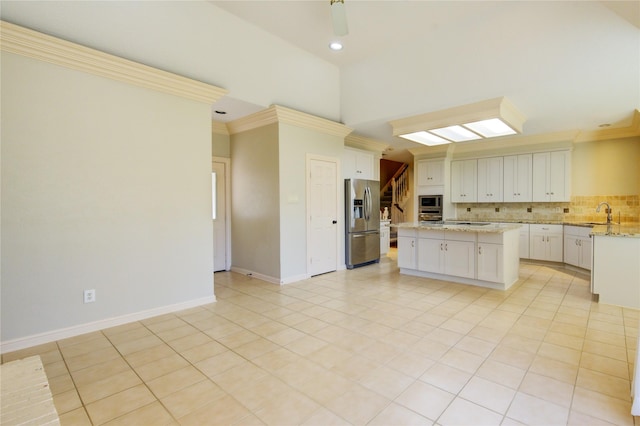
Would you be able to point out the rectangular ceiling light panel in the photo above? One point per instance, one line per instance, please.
(456, 133)
(490, 128)
(425, 138)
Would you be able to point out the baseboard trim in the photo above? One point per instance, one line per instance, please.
(268, 278)
(64, 333)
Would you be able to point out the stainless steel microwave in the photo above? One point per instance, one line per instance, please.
(428, 202)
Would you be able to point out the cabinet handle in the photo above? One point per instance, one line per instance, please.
(479, 249)
(445, 247)
(413, 243)
(441, 244)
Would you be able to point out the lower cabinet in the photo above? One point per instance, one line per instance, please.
(577, 246)
(546, 242)
(407, 249)
(385, 238)
(445, 252)
(490, 262)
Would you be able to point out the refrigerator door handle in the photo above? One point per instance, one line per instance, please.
(368, 207)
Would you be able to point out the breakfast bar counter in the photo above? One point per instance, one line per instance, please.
(482, 254)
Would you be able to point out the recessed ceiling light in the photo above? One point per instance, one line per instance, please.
(490, 128)
(336, 45)
(456, 133)
(425, 138)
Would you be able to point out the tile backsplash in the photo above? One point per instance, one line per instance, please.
(580, 209)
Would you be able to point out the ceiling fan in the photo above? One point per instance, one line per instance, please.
(339, 18)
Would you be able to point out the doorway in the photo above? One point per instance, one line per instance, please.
(221, 213)
(322, 215)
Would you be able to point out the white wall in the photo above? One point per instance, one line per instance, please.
(295, 143)
(105, 186)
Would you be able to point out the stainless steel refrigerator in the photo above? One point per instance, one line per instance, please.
(362, 221)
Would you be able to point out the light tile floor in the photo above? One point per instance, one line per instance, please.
(367, 346)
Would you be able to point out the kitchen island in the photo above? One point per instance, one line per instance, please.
(482, 254)
(615, 274)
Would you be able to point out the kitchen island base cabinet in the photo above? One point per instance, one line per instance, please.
(486, 259)
(615, 276)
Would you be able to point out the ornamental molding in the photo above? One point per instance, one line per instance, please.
(25, 42)
(279, 114)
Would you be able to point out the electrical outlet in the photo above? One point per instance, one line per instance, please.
(89, 296)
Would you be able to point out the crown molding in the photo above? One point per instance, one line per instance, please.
(25, 42)
(253, 121)
(279, 114)
(361, 142)
(219, 128)
(308, 121)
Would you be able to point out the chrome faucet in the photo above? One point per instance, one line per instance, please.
(608, 210)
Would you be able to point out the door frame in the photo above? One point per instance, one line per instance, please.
(339, 218)
(227, 207)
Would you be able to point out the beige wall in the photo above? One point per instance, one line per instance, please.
(295, 143)
(220, 145)
(105, 186)
(255, 210)
(606, 167)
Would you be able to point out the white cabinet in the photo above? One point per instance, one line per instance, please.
(545, 242)
(460, 258)
(577, 246)
(552, 176)
(430, 172)
(490, 180)
(447, 252)
(616, 270)
(358, 164)
(407, 249)
(517, 178)
(385, 237)
(490, 262)
(463, 181)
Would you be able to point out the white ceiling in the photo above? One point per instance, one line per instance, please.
(566, 65)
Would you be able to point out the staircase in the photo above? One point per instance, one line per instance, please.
(394, 196)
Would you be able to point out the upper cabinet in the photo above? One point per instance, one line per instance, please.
(552, 176)
(490, 180)
(463, 181)
(358, 164)
(517, 178)
(430, 172)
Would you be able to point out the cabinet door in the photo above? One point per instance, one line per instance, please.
(364, 165)
(540, 174)
(585, 252)
(384, 239)
(431, 255)
(559, 176)
(554, 247)
(572, 250)
(490, 262)
(538, 246)
(407, 252)
(490, 179)
(524, 245)
(460, 258)
(517, 178)
(463, 181)
(430, 172)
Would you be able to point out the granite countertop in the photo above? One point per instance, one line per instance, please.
(463, 226)
(617, 230)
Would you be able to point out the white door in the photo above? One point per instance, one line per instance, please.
(219, 208)
(323, 216)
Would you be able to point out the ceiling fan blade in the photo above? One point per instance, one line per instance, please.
(339, 18)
